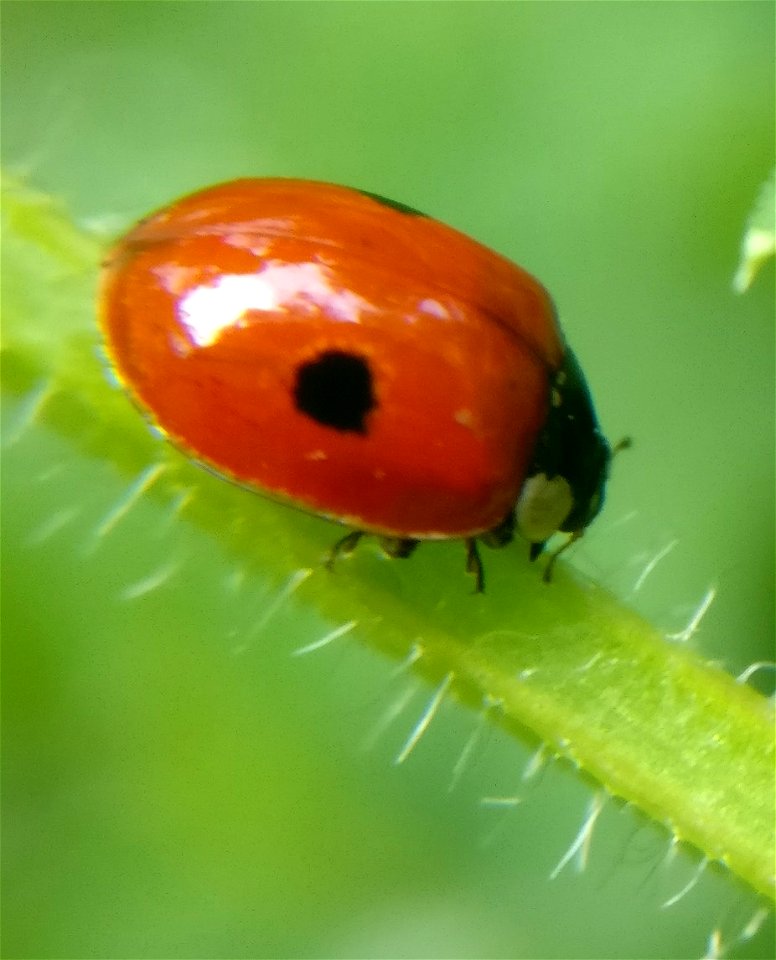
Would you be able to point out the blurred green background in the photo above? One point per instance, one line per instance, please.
(176, 783)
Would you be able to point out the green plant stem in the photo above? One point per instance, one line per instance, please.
(569, 665)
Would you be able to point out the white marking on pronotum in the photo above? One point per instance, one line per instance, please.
(423, 724)
(468, 748)
(53, 525)
(581, 844)
(144, 482)
(152, 582)
(660, 555)
(325, 640)
(684, 635)
(672, 901)
(28, 412)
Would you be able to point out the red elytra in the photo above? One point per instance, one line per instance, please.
(356, 358)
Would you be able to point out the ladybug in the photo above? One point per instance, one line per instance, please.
(353, 357)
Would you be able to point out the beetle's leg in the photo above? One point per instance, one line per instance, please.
(398, 547)
(501, 535)
(474, 565)
(343, 548)
(535, 550)
(548, 570)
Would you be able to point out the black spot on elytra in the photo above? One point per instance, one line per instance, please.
(393, 204)
(335, 390)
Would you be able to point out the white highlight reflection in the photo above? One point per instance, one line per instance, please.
(206, 311)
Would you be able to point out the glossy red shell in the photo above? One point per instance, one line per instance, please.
(212, 306)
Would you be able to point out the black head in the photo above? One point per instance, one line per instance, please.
(565, 486)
